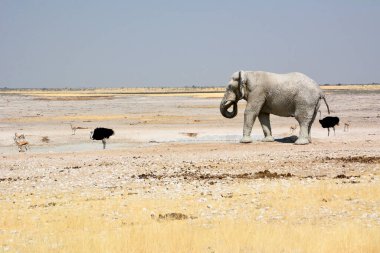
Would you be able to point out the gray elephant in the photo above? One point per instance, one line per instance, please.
(286, 95)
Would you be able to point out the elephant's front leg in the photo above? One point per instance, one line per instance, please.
(249, 118)
(265, 124)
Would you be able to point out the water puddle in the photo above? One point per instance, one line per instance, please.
(97, 145)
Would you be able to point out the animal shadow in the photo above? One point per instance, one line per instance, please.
(289, 139)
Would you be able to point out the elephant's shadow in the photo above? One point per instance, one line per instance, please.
(289, 139)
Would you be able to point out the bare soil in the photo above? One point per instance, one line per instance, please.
(175, 138)
(177, 146)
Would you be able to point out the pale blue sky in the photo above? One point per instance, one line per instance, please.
(71, 43)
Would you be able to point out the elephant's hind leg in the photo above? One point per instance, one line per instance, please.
(265, 124)
(312, 120)
(303, 137)
(305, 121)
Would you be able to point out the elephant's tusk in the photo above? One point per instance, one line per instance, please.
(227, 104)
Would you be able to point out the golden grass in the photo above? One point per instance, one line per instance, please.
(142, 119)
(70, 97)
(109, 93)
(211, 92)
(294, 220)
(195, 95)
(351, 87)
(67, 118)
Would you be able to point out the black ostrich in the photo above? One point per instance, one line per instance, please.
(328, 122)
(101, 133)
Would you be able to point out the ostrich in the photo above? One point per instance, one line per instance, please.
(328, 122)
(102, 134)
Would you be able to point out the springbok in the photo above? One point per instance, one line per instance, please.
(19, 136)
(75, 128)
(346, 126)
(21, 144)
(293, 128)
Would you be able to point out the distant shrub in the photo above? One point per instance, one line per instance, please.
(45, 139)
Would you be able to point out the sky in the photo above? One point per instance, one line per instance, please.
(78, 44)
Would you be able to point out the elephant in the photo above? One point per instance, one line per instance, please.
(286, 95)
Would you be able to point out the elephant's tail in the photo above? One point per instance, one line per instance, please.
(327, 105)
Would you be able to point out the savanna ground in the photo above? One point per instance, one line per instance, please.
(175, 179)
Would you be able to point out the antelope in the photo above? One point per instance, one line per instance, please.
(19, 136)
(346, 126)
(21, 144)
(293, 128)
(74, 128)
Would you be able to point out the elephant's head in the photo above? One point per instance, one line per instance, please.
(234, 92)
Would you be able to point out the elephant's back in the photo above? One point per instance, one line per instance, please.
(292, 84)
(295, 81)
(291, 77)
(285, 92)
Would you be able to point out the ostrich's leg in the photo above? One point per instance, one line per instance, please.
(104, 143)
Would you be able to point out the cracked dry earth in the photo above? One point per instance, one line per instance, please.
(334, 181)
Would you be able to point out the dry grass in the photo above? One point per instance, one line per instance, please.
(69, 97)
(45, 139)
(351, 87)
(65, 118)
(110, 93)
(191, 135)
(143, 119)
(284, 216)
(240, 214)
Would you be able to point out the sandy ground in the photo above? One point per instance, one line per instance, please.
(180, 148)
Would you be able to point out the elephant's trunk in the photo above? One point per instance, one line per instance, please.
(225, 105)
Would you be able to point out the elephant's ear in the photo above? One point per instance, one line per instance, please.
(242, 83)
